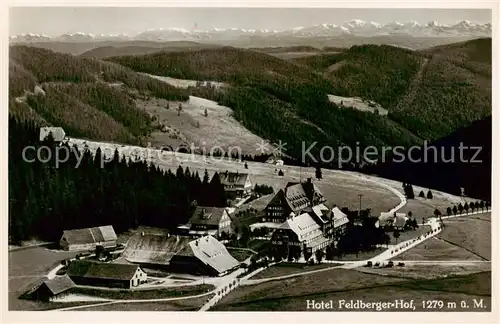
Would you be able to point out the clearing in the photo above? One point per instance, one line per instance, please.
(218, 129)
(358, 104)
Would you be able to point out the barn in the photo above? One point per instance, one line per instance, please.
(116, 275)
(204, 256)
(154, 251)
(85, 239)
(53, 289)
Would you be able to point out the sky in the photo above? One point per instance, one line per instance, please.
(54, 21)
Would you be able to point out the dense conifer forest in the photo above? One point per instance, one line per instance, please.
(45, 199)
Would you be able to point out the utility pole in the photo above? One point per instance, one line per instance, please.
(360, 196)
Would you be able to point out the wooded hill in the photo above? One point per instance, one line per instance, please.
(274, 98)
(431, 92)
(88, 97)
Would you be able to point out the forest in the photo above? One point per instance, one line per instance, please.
(45, 199)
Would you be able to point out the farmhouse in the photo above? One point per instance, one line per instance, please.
(154, 251)
(205, 256)
(302, 231)
(117, 275)
(57, 133)
(295, 198)
(53, 289)
(213, 221)
(392, 221)
(236, 184)
(88, 238)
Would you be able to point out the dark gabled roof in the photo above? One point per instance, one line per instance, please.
(90, 235)
(154, 249)
(59, 284)
(207, 215)
(98, 270)
(233, 178)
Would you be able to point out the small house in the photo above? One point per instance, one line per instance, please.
(53, 289)
(213, 221)
(116, 275)
(392, 221)
(85, 239)
(236, 184)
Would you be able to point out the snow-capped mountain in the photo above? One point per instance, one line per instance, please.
(354, 27)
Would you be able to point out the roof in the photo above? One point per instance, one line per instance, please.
(207, 215)
(153, 249)
(90, 235)
(98, 270)
(321, 212)
(59, 284)
(211, 252)
(233, 178)
(339, 218)
(57, 132)
(394, 219)
(302, 225)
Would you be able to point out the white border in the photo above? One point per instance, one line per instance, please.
(242, 317)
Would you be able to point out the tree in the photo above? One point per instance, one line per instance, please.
(319, 255)
(421, 194)
(481, 204)
(246, 165)
(448, 211)
(437, 213)
(460, 208)
(307, 254)
(396, 235)
(318, 173)
(179, 109)
(429, 194)
(410, 214)
(245, 236)
(281, 173)
(466, 208)
(168, 105)
(206, 112)
(455, 210)
(408, 189)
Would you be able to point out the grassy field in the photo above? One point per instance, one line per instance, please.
(191, 304)
(467, 238)
(429, 271)
(424, 208)
(437, 249)
(470, 233)
(288, 268)
(311, 284)
(145, 294)
(467, 288)
(26, 268)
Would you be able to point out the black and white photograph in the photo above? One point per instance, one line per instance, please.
(250, 159)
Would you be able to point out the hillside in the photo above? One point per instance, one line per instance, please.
(273, 97)
(448, 171)
(81, 94)
(431, 93)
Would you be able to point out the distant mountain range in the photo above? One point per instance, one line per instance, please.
(351, 28)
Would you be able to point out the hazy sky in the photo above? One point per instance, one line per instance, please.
(56, 21)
